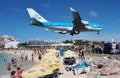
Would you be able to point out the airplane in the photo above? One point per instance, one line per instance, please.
(75, 27)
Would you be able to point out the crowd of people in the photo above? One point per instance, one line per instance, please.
(15, 68)
(68, 61)
(16, 73)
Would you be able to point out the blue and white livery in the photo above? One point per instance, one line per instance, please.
(75, 27)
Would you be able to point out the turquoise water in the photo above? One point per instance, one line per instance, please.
(4, 59)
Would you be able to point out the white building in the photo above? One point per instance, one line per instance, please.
(62, 44)
(47, 43)
(9, 41)
(12, 44)
(6, 38)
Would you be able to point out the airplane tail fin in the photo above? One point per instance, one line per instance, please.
(35, 17)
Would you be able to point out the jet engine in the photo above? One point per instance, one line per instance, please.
(63, 32)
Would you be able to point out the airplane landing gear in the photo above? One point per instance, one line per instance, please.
(71, 33)
(98, 33)
(74, 32)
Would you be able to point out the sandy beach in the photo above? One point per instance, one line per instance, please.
(15, 54)
(65, 74)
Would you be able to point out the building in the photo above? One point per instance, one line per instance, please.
(12, 44)
(8, 41)
(41, 42)
(6, 38)
(46, 43)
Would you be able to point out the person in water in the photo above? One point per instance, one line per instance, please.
(8, 66)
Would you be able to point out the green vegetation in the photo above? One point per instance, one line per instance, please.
(23, 45)
(82, 42)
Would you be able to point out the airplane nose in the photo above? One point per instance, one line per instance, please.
(99, 25)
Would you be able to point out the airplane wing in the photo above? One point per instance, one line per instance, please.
(75, 14)
(78, 25)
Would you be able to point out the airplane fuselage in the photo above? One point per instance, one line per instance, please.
(69, 26)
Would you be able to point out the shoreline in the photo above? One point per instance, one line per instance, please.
(25, 64)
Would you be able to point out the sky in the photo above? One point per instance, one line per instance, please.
(15, 21)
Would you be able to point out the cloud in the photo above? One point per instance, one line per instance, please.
(93, 13)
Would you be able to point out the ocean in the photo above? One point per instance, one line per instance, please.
(4, 58)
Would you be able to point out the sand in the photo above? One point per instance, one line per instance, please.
(28, 64)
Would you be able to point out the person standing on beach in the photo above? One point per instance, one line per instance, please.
(39, 56)
(102, 47)
(26, 57)
(81, 54)
(32, 57)
(21, 57)
(114, 47)
(8, 66)
(93, 48)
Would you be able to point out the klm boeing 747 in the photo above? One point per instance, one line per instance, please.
(75, 27)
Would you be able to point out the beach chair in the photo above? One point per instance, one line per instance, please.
(80, 68)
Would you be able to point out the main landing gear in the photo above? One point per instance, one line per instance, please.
(74, 32)
(97, 32)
